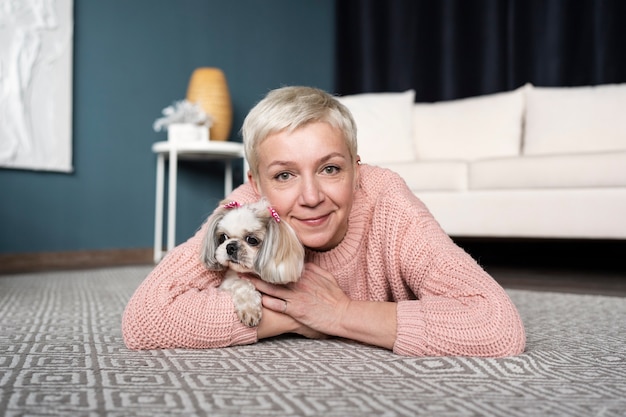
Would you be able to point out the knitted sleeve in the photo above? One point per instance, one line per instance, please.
(179, 306)
(459, 309)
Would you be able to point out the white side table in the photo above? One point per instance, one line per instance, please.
(207, 150)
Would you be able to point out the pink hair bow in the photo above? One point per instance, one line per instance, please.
(274, 214)
(235, 204)
(231, 204)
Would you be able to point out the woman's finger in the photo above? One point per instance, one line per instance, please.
(276, 291)
(276, 304)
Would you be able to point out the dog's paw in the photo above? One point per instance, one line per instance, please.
(246, 298)
(249, 308)
(251, 317)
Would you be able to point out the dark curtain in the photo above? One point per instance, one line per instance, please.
(448, 49)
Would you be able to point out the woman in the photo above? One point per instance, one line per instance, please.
(379, 269)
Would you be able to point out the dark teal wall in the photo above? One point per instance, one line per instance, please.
(131, 59)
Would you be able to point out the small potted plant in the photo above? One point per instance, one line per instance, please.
(185, 121)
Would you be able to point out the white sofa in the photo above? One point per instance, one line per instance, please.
(535, 162)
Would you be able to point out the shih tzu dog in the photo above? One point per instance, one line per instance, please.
(251, 238)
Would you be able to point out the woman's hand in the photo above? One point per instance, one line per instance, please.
(274, 324)
(315, 300)
(275, 320)
(317, 303)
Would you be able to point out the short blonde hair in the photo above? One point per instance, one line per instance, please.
(289, 108)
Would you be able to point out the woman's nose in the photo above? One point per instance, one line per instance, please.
(311, 193)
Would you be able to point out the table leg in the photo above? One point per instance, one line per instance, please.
(158, 208)
(228, 177)
(171, 204)
(246, 168)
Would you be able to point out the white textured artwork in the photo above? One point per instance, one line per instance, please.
(36, 84)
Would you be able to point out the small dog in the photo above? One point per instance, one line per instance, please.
(251, 238)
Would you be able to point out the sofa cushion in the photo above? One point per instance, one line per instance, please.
(432, 175)
(471, 128)
(539, 213)
(384, 128)
(575, 119)
(550, 171)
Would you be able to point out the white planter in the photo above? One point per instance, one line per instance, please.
(187, 132)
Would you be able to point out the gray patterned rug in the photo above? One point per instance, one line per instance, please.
(61, 353)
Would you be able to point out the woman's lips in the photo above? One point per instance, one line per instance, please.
(314, 221)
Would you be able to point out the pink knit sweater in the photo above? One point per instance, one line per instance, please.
(394, 250)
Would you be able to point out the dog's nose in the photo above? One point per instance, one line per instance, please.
(231, 248)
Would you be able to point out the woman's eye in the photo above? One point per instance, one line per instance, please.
(252, 241)
(222, 238)
(283, 176)
(331, 169)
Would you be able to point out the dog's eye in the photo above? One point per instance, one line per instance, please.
(252, 241)
(222, 238)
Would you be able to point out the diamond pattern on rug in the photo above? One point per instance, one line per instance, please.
(62, 353)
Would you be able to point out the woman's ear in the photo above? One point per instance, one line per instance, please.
(357, 172)
(253, 183)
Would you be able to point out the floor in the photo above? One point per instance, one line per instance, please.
(574, 266)
(560, 280)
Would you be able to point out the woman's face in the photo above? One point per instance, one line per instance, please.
(309, 178)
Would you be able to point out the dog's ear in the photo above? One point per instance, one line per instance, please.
(281, 257)
(210, 243)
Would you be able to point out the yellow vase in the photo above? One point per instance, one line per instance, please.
(208, 88)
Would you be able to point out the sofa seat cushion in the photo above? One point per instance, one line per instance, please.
(564, 120)
(578, 213)
(432, 175)
(550, 171)
(471, 128)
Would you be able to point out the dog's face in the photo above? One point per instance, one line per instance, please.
(253, 239)
(239, 234)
